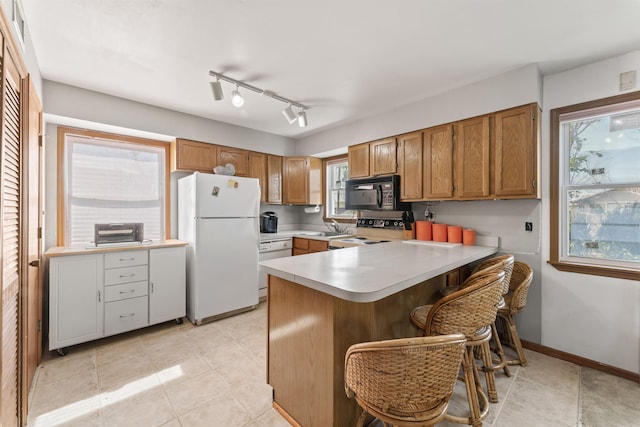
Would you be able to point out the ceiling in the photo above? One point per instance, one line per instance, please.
(345, 59)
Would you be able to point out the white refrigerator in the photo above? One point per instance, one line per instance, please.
(218, 217)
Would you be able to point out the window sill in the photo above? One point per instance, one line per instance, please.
(597, 270)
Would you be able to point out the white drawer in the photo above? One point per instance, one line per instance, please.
(116, 276)
(126, 258)
(126, 291)
(126, 315)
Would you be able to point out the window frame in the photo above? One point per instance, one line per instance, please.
(61, 196)
(326, 162)
(558, 214)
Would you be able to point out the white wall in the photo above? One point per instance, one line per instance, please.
(518, 87)
(71, 101)
(590, 316)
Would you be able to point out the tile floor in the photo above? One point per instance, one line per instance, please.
(214, 374)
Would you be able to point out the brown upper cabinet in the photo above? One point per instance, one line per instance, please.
(491, 156)
(258, 169)
(274, 179)
(187, 155)
(359, 160)
(438, 163)
(383, 157)
(517, 133)
(302, 179)
(472, 158)
(410, 164)
(237, 157)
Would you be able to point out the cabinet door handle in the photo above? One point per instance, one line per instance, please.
(127, 315)
(151, 287)
(99, 296)
(127, 259)
(123, 276)
(130, 291)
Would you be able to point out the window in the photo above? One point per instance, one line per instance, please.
(109, 179)
(595, 197)
(337, 175)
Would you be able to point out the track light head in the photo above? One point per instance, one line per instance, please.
(216, 88)
(236, 98)
(302, 119)
(289, 114)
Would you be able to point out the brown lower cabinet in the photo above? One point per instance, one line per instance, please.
(303, 246)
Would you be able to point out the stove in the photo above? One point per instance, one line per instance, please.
(371, 231)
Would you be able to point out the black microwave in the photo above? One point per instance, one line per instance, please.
(381, 193)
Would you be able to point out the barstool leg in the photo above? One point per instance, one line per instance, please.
(487, 367)
(502, 359)
(515, 339)
(478, 402)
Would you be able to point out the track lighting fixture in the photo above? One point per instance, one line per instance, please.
(236, 98)
(289, 114)
(216, 88)
(302, 119)
(238, 101)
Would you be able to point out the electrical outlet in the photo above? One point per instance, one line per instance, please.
(528, 226)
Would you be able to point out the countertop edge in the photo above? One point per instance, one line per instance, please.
(77, 250)
(366, 297)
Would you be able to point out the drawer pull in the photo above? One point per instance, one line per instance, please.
(123, 276)
(127, 259)
(130, 291)
(127, 315)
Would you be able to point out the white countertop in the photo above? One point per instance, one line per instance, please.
(370, 273)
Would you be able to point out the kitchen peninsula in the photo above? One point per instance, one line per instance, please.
(320, 304)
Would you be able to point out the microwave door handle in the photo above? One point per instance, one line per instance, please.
(379, 195)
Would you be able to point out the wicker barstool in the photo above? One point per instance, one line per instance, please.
(404, 382)
(497, 263)
(515, 301)
(469, 311)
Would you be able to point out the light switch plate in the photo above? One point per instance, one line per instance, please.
(628, 80)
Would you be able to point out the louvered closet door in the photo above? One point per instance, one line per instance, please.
(11, 165)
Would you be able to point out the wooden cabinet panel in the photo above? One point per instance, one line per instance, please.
(382, 157)
(359, 161)
(274, 179)
(258, 169)
(516, 151)
(237, 157)
(302, 181)
(318, 245)
(303, 246)
(410, 166)
(472, 159)
(193, 156)
(438, 162)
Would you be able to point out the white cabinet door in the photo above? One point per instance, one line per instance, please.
(167, 284)
(76, 299)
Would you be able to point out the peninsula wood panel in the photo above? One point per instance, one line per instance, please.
(472, 159)
(438, 162)
(410, 164)
(516, 151)
(309, 333)
(359, 161)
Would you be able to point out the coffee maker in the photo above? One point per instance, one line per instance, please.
(268, 222)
